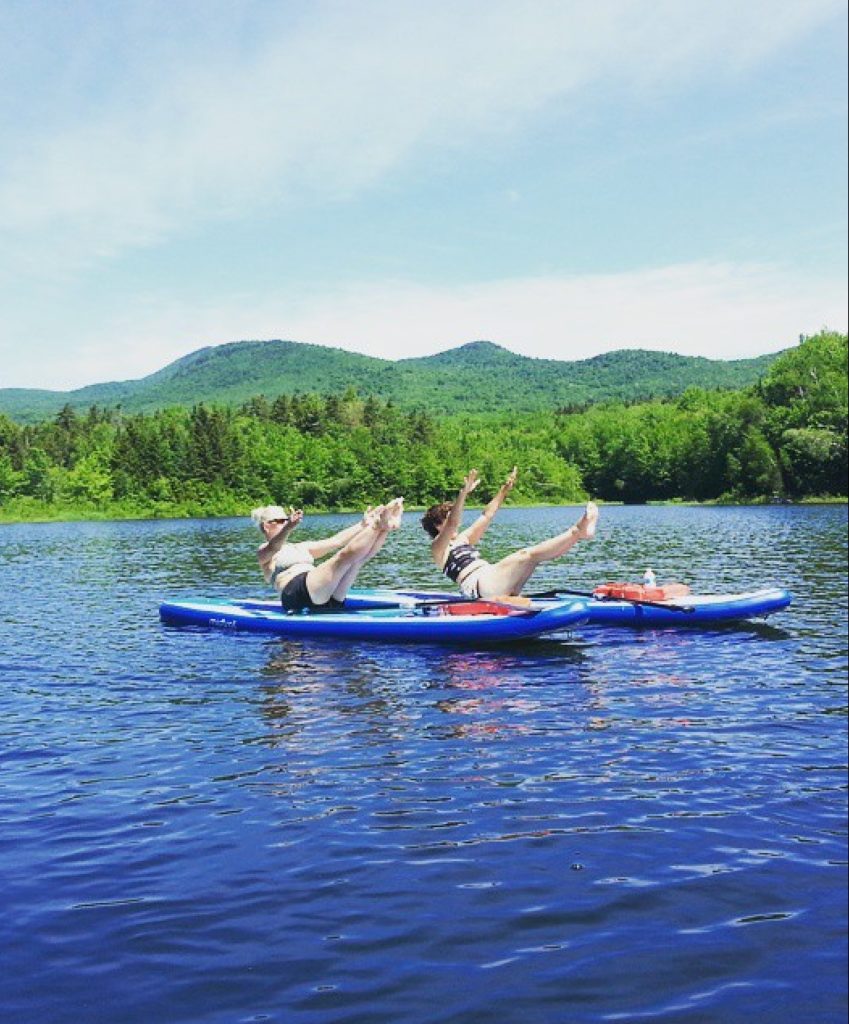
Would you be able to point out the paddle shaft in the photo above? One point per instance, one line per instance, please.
(450, 599)
(687, 608)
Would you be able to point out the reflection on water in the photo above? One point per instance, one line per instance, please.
(375, 683)
(202, 826)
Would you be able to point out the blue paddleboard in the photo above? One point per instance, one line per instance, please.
(692, 610)
(372, 620)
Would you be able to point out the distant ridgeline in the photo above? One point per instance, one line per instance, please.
(336, 441)
(478, 377)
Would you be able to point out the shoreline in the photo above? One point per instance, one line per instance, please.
(69, 515)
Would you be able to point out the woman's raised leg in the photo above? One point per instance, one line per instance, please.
(337, 575)
(510, 575)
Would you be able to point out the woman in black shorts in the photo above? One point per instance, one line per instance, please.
(292, 569)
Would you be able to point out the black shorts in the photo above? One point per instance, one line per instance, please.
(295, 597)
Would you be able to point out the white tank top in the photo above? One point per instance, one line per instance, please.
(289, 555)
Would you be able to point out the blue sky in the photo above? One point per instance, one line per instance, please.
(398, 178)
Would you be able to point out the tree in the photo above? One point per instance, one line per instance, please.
(814, 461)
(281, 410)
(41, 476)
(89, 480)
(807, 386)
(754, 468)
(10, 478)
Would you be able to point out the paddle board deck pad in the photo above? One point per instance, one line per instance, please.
(370, 619)
(706, 609)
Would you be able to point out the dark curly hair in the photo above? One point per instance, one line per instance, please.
(435, 516)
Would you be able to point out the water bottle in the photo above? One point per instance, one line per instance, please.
(649, 578)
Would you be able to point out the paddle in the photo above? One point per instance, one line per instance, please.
(686, 608)
(451, 600)
(551, 595)
(410, 604)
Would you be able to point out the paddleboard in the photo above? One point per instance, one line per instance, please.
(692, 610)
(369, 619)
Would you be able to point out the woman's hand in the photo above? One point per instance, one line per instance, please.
(295, 516)
(471, 482)
(510, 482)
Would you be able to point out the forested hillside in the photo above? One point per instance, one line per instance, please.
(475, 378)
(785, 436)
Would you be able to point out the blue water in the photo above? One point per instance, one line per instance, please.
(208, 827)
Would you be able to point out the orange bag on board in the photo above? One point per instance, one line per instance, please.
(638, 592)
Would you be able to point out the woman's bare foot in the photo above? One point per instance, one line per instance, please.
(391, 514)
(587, 523)
(372, 517)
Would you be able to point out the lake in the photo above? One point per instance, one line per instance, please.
(609, 825)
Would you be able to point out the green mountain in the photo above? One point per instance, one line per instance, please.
(477, 377)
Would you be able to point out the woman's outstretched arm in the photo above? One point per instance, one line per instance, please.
(269, 549)
(439, 548)
(484, 520)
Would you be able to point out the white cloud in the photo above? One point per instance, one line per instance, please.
(326, 104)
(726, 311)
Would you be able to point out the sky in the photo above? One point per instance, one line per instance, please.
(561, 177)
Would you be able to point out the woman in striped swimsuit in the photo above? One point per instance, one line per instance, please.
(455, 551)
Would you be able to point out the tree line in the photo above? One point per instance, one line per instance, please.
(785, 437)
